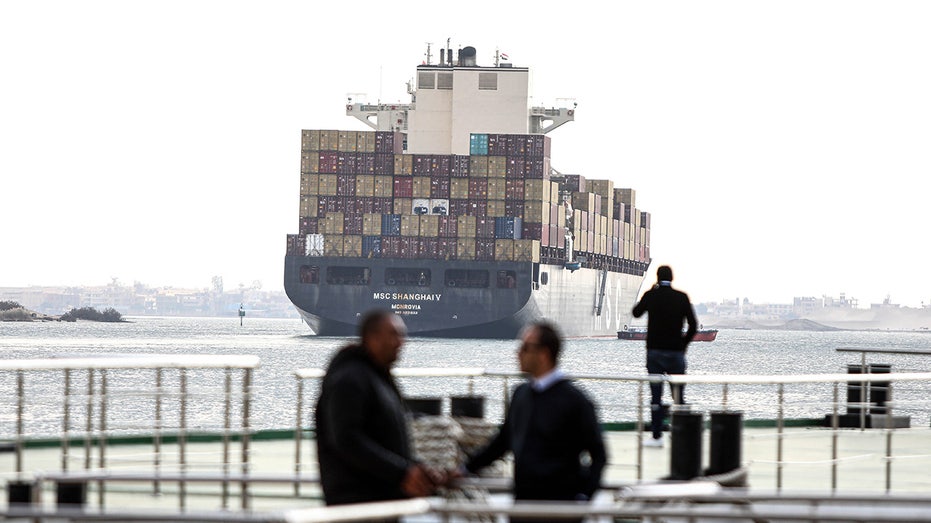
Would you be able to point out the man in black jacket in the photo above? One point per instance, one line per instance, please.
(551, 428)
(362, 435)
(667, 310)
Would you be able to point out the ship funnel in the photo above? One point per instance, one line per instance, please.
(442, 56)
(467, 56)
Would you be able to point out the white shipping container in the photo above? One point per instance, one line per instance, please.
(314, 245)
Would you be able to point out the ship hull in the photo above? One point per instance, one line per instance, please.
(584, 302)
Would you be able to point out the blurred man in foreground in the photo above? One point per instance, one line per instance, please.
(362, 434)
(551, 428)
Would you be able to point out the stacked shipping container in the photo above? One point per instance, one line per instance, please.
(361, 196)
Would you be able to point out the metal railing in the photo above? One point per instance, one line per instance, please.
(731, 392)
(160, 398)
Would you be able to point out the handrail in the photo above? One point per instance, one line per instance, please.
(151, 361)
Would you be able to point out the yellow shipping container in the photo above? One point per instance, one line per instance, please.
(410, 225)
(310, 162)
(466, 227)
(371, 224)
(527, 250)
(333, 245)
(329, 140)
(536, 211)
(309, 206)
(603, 187)
(478, 166)
(504, 250)
(348, 141)
(333, 223)
(561, 216)
(404, 164)
(310, 140)
(495, 208)
(352, 246)
(309, 184)
(459, 188)
(497, 189)
(465, 248)
(533, 190)
(626, 196)
(384, 186)
(366, 142)
(327, 185)
(365, 185)
(421, 186)
(554, 193)
(584, 201)
(403, 206)
(497, 166)
(429, 225)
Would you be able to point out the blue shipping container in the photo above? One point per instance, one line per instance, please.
(508, 227)
(478, 144)
(390, 224)
(371, 246)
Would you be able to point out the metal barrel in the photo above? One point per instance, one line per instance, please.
(685, 453)
(725, 443)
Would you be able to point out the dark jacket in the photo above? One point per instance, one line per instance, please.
(362, 439)
(668, 309)
(548, 432)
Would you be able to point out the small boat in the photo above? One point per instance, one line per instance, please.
(637, 333)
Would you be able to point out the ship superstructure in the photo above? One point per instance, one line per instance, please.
(450, 213)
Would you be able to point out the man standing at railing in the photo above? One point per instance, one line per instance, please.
(362, 435)
(550, 427)
(667, 309)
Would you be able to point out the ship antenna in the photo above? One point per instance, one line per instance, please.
(429, 56)
(497, 56)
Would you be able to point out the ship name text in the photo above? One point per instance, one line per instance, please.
(406, 296)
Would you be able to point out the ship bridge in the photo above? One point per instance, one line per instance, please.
(455, 98)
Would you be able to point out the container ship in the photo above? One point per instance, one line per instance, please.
(449, 212)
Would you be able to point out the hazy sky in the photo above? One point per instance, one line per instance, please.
(782, 147)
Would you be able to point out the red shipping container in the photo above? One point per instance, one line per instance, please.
(514, 189)
(403, 187)
(347, 163)
(383, 205)
(555, 233)
(329, 162)
(346, 185)
(384, 164)
(478, 188)
(537, 169)
(308, 225)
(367, 205)
(560, 240)
(485, 227)
(366, 163)
(439, 187)
(477, 208)
(389, 142)
(352, 224)
(442, 165)
(423, 164)
(458, 207)
(497, 145)
(517, 145)
(515, 168)
(460, 166)
(485, 249)
(429, 248)
(447, 249)
(532, 231)
(514, 208)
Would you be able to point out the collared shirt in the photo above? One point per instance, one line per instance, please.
(665, 283)
(547, 380)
